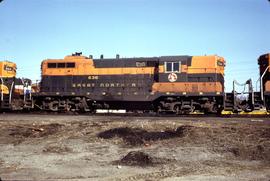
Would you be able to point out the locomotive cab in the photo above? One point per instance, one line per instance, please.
(191, 75)
(189, 83)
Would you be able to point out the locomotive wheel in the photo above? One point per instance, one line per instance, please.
(53, 106)
(177, 109)
(267, 103)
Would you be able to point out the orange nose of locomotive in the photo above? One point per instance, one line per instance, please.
(7, 71)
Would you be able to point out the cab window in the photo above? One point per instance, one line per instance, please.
(172, 66)
(220, 63)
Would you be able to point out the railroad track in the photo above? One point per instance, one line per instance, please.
(254, 114)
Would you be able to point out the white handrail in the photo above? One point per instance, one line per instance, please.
(10, 92)
(262, 82)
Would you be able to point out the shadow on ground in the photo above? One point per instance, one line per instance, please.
(137, 136)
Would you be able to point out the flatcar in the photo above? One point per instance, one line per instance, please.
(178, 84)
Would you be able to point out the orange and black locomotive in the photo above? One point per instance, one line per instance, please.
(180, 84)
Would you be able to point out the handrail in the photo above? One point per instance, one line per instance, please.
(23, 89)
(10, 92)
(257, 84)
(2, 94)
(250, 90)
(262, 80)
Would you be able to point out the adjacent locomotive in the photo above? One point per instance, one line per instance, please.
(15, 93)
(7, 78)
(180, 84)
(264, 69)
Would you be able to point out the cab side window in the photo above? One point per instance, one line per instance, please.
(172, 66)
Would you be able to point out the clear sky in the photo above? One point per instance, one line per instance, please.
(238, 30)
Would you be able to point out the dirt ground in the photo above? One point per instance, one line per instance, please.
(59, 147)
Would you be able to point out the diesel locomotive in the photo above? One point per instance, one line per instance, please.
(264, 69)
(169, 84)
(180, 84)
(15, 93)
